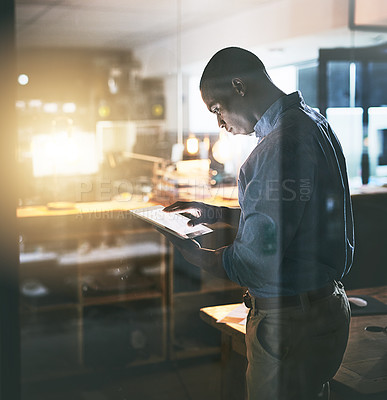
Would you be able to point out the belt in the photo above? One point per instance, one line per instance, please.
(289, 301)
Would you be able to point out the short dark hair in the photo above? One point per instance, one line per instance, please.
(230, 62)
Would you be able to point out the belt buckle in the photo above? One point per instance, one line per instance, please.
(247, 300)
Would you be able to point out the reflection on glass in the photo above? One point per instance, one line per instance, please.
(376, 140)
(348, 126)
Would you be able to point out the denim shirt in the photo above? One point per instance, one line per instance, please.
(296, 227)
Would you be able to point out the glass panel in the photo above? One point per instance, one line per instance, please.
(377, 143)
(338, 84)
(377, 84)
(97, 116)
(103, 127)
(344, 84)
(308, 83)
(110, 118)
(348, 126)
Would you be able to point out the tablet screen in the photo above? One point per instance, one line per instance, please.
(173, 222)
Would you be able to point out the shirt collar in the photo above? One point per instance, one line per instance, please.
(268, 120)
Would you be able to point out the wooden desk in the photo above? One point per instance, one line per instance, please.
(97, 207)
(362, 374)
(111, 206)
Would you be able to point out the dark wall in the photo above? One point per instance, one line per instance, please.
(370, 261)
(9, 321)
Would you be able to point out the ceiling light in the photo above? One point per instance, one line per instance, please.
(23, 79)
(50, 108)
(69, 108)
(35, 103)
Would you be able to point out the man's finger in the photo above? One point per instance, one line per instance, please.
(179, 205)
(195, 221)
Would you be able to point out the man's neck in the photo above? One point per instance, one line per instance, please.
(265, 99)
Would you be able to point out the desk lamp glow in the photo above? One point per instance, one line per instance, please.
(192, 145)
(222, 148)
(64, 152)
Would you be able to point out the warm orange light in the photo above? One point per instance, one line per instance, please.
(157, 110)
(50, 108)
(63, 154)
(192, 145)
(222, 149)
(69, 108)
(104, 111)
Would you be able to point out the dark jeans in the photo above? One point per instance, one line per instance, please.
(292, 351)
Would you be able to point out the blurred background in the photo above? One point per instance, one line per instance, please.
(109, 118)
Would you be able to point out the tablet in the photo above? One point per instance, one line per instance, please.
(172, 222)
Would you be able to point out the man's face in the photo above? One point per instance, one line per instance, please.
(231, 111)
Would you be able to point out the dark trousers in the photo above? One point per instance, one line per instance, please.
(293, 351)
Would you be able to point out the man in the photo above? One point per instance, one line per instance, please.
(295, 236)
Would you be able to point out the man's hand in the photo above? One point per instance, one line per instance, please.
(205, 213)
(207, 259)
(190, 249)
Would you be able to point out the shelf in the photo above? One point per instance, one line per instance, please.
(87, 301)
(28, 308)
(151, 360)
(209, 291)
(195, 352)
(112, 283)
(91, 234)
(73, 228)
(117, 298)
(39, 376)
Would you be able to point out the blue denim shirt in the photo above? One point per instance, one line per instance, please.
(296, 227)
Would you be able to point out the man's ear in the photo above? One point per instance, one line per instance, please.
(239, 86)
